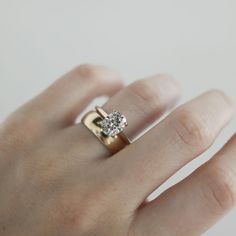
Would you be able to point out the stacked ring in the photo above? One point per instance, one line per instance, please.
(107, 128)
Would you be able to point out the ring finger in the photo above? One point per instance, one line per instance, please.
(142, 103)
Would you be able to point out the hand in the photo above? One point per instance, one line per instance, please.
(56, 178)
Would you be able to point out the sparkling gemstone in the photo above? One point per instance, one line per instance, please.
(113, 124)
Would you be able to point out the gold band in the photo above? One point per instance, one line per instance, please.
(91, 121)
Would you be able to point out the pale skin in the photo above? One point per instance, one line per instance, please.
(57, 179)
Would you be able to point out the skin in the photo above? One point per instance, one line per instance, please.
(57, 179)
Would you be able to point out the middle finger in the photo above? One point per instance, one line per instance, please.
(183, 135)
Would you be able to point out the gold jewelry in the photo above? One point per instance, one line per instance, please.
(103, 114)
(107, 128)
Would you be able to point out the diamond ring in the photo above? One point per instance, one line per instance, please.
(113, 123)
(107, 128)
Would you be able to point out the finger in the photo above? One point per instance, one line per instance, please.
(142, 102)
(182, 136)
(198, 202)
(60, 104)
(145, 101)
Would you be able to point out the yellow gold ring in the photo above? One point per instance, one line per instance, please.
(107, 128)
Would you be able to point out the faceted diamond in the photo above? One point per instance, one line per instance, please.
(113, 124)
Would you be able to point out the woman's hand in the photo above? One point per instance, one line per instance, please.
(56, 178)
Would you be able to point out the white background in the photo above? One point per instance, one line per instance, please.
(192, 40)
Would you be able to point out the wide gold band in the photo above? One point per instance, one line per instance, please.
(91, 121)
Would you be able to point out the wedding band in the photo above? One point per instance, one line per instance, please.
(107, 128)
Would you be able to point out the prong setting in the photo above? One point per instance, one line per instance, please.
(113, 124)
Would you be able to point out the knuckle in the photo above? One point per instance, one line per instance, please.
(220, 190)
(221, 96)
(18, 130)
(145, 93)
(90, 73)
(191, 129)
(12, 131)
